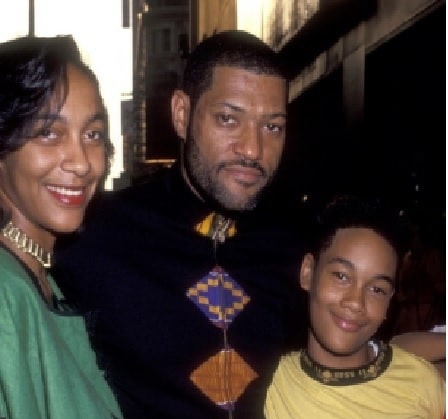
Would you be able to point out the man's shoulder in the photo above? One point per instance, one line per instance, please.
(143, 190)
(144, 195)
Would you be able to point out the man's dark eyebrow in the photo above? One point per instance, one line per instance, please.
(350, 265)
(237, 108)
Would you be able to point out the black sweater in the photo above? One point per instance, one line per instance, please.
(129, 272)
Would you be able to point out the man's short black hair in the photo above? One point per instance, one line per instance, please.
(234, 48)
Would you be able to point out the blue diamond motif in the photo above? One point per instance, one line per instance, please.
(219, 297)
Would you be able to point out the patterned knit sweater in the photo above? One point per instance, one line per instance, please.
(186, 325)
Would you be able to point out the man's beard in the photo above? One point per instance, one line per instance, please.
(205, 179)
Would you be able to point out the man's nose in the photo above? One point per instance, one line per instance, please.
(249, 143)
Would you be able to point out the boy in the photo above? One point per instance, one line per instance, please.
(349, 274)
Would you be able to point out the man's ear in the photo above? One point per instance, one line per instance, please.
(180, 112)
(307, 271)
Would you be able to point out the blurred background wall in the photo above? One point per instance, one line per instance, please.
(367, 91)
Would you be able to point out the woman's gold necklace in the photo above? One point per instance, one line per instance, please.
(27, 244)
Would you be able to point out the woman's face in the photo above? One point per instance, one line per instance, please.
(48, 182)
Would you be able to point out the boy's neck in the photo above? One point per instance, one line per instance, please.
(325, 357)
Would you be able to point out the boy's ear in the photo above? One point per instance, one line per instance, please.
(180, 112)
(306, 271)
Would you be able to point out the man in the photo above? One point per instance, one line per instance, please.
(344, 372)
(187, 281)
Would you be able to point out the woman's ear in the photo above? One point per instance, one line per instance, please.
(307, 271)
(180, 112)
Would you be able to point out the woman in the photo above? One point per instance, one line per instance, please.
(53, 155)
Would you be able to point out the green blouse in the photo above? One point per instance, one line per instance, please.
(47, 367)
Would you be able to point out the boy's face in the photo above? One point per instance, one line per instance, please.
(350, 288)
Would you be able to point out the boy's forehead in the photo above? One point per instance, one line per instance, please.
(362, 250)
(345, 235)
(347, 238)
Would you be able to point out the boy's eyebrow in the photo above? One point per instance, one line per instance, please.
(386, 278)
(350, 265)
(342, 261)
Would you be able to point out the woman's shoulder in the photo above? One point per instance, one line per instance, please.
(17, 291)
(10, 269)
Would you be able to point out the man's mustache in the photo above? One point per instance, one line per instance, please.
(251, 164)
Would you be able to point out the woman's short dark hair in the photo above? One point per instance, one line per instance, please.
(234, 48)
(33, 70)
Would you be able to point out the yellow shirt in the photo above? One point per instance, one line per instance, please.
(404, 387)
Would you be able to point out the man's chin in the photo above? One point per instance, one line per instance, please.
(230, 196)
(237, 203)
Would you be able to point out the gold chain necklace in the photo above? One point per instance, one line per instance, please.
(27, 245)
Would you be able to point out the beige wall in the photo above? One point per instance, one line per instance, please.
(215, 16)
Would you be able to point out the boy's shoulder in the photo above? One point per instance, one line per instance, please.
(405, 356)
(416, 371)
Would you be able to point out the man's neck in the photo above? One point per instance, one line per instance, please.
(189, 183)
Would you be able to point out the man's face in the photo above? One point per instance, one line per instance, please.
(350, 288)
(236, 136)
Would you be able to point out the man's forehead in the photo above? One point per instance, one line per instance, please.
(228, 70)
(226, 79)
